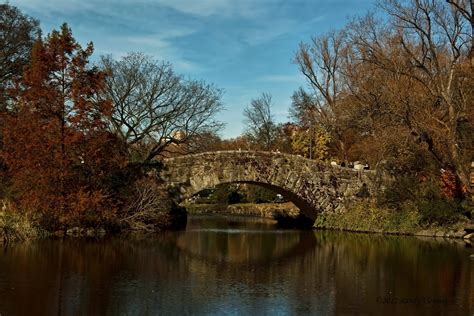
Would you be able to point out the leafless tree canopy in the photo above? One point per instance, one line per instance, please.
(259, 122)
(154, 107)
(466, 9)
(321, 61)
(304, 108)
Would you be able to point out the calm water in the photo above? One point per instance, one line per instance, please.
(244, 266)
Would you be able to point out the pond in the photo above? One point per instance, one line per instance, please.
(231, 265)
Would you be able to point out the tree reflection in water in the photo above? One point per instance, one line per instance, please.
(236, 265)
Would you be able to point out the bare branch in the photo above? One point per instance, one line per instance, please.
(152, 105)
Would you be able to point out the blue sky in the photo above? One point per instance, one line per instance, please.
(244, 47)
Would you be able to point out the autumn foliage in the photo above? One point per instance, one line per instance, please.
(394, 89)
(58, 152)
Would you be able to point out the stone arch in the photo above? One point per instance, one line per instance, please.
(288, 195)
(313, 187)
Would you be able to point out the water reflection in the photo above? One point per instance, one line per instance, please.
(240, 240)
(235, 266)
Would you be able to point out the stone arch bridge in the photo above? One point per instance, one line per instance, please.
(312, 186)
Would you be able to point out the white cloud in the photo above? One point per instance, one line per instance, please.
(152, 41)
(270, 28)
(47, 6)
(187, 67)
(226, 8)
(199, 8)
(161, 47)
(281, 78)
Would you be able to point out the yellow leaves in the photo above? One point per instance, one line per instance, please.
(311, 143)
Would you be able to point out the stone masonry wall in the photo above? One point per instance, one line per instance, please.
(313, 187)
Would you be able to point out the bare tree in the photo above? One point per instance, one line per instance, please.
(321, 62)
(466, 9)
(259, 122)
(153, 107)
(304, 108)
(148, 208)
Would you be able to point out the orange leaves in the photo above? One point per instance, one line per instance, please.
(56, 146)
(90, 208)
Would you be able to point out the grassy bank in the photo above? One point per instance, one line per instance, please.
(360, 217)
(16, 227)
(364, 217)
(267, 210)
(200, 209)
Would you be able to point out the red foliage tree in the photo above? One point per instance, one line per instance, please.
(56, 146)
(451, 187)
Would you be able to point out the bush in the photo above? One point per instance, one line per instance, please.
(258, 194)
(440, 212)
(151, 208)
(424, 196)
(15, 226)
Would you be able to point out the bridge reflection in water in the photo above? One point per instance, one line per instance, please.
(229, 266)
(240, 240)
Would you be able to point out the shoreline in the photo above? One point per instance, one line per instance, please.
(424, 233)
(272, 211)
(461, 231)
